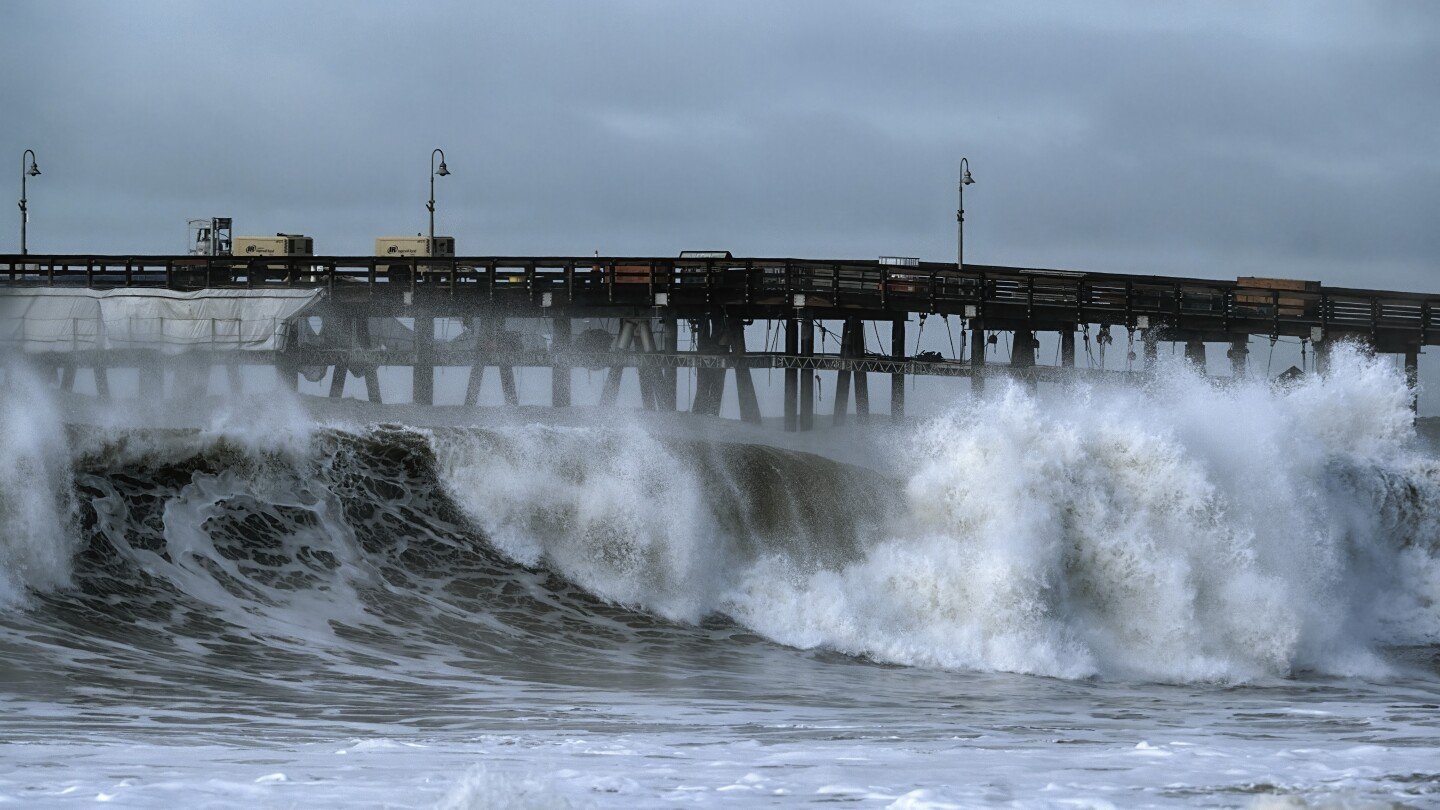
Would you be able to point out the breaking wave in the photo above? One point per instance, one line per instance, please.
(1180, 532)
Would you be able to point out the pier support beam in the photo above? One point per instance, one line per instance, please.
(1412, 375)
(862, 378)
(1239, 354)
(792, 375)
(559, 370)
(669, 343)
(709, 382)
(842, 378)
(1067, 346)
(423, 371)
(483, 339)
(744, 380)
(1150, 337)
(1322, 356)
(650, 377)
(807, 376)
(1195, 354)
(1022, 349)
(897, 380)
(1022, 356)
(340, 373)
(977, 357)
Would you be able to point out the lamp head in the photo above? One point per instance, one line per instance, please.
(967, 180)
(442, 171)
(34, 169)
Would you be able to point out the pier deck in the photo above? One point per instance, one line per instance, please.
(718, 296)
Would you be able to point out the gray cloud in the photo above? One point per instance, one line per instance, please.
(1212, 140)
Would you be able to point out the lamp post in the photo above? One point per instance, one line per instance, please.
(25, 174)
(965, 180)
(441, 172)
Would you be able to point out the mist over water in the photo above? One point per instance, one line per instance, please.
(262, 570)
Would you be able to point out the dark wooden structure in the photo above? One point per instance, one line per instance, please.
(718, 297)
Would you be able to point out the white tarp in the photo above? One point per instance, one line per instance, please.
(60, 320)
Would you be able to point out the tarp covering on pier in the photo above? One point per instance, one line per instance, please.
(59, 320)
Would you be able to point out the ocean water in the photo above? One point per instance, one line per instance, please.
(1177, 595)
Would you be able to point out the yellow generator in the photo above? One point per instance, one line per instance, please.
(407, 246)
(281, 244)
(404, 247)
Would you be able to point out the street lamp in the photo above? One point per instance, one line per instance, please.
(965, 180)
(441, 172)
(33, 171)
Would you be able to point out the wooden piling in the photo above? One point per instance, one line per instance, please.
(897, 379)
(792, 378)
(1412, 375)
(1239, 356)
(744, 379)
(423, 370)
(1195, 354)
(977, 357)
(862, 378)
(669, 344)
(560, 371)
(807, 376)
(842, 377)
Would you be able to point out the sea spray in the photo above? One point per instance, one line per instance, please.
(37, 505)
(1180, 532)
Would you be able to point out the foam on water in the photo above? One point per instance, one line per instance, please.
(249, 606)
(37, 505)
(1184, 532)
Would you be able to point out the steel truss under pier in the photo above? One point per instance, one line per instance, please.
(649, 297)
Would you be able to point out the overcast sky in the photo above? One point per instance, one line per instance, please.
(1212, 139)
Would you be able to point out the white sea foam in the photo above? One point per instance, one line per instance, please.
(1181, 532)
(37, 506)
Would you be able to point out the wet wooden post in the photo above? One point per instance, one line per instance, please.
(862, 378)
(649, 375)
(560, 369)
(669, 344)
(1022, 352)
(340, 371)
(610, 392)
(1150, 337)
(1412, 375)
(369, 370)
(1239, 356)
(1195, 354)
(842, 377)
(1322, 355)
(480, 328)
(709, 382)
(1067, 346)
(744, 380)
(423, 370)
(897, 379)
(807, 376)
(792, 378)
(1022, 356)
(977, 356)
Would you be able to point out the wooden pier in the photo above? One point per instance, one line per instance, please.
(649, 298)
